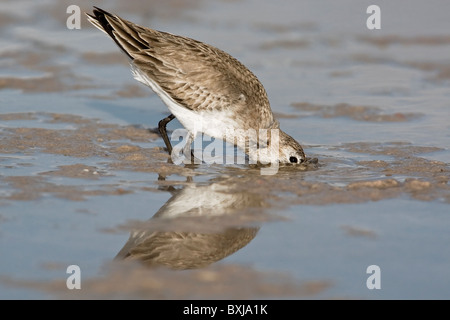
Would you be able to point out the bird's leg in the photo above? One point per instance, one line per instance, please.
(162, 130)
(187, 151)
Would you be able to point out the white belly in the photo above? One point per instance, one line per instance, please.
(213, 123)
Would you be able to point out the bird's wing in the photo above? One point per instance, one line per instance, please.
(194, 74)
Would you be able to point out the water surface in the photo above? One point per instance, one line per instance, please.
(85, 179)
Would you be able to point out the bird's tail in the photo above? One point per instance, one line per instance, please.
(124, 33)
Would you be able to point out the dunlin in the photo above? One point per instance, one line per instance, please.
(205, 88)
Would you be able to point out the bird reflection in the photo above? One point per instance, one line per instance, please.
(198, 225)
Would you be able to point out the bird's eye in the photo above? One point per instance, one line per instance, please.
(293, 159)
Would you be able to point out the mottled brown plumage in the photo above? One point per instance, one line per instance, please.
(193, 76)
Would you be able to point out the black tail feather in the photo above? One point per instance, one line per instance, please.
(99, 16)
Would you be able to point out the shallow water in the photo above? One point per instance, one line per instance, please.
(84, 180)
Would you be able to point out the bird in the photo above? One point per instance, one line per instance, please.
(206, 89)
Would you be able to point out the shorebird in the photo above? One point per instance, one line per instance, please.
(205, 88)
